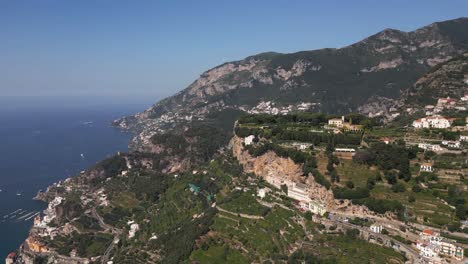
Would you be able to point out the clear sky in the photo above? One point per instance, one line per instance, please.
(112, 47)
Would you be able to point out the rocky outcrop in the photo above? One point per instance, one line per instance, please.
(271, 165)
(266, 164)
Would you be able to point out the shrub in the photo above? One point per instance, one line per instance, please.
(344, 193)
(416, 188)
(398, 187)
(350, 184)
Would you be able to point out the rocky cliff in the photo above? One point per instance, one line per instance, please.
(271, 165)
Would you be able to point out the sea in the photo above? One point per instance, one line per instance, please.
(47, 139)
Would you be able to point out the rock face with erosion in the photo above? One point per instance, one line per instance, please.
(270, 165)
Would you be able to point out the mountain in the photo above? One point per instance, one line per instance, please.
(448, 79)
(367, 76)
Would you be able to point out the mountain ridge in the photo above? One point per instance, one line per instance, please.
(341, 80)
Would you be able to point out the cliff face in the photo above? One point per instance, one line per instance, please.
(356, 77)
(271, 165)
(267, 164)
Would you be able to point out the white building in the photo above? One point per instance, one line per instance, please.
(134, 227)
(376, 228)
(249, 140)
(451, 144)
(301, 146)
(427, 146)
(463, 138)
(262, 192)
(348, 150)
(435, 121)
(299, 191)
(317, 208)
(448, 248)
(427, 250)
(427, 167)
(337, 122)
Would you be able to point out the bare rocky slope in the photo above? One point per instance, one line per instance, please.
(369, 76)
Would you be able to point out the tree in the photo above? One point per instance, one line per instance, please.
(411, 198)
(419, 179)
(345, 193)
(334, 176)
(350, 184)
(363, 157)
(370, 183)
(460, 212)
(352, 233)
(459, 122)
(390, 177)
(256, 139)
(428, 155)
(378, 176)
(284, 188)
(330, 166)
(398, 187)
(330, 147)
(454, 226)
(416, 188)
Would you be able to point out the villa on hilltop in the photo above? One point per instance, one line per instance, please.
(341, 123)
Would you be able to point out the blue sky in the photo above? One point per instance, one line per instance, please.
(149, 48)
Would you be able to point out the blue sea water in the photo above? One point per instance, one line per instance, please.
(42, 141)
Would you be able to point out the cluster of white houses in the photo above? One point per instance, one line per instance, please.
(299, 192)
(432, 246)
(435, 121)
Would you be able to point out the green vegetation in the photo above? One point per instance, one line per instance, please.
(218, 254)
(88, 245)
(86, 223)
(384, 177)
(356, 172)
(243, 202)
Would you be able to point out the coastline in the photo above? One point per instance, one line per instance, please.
(96, 139)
